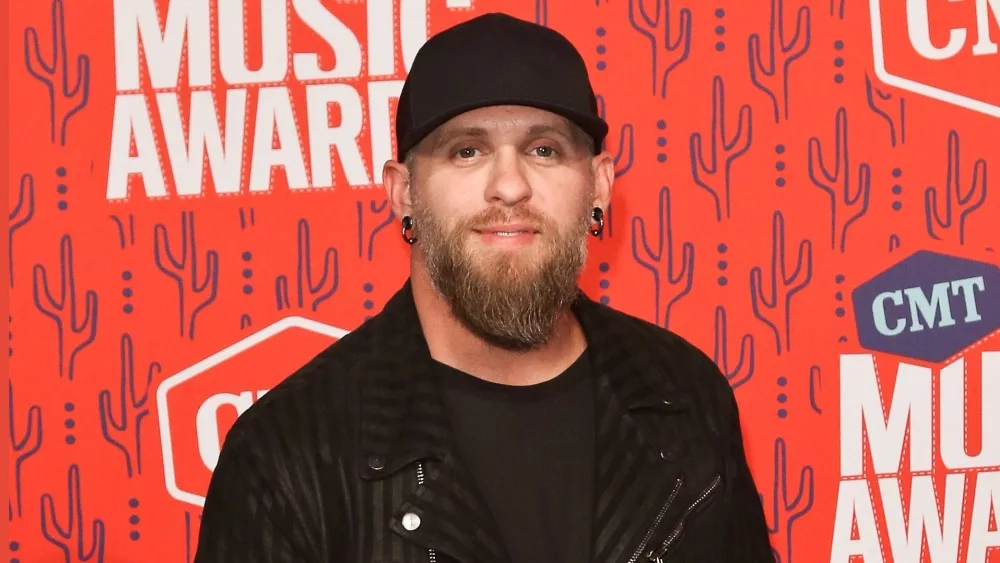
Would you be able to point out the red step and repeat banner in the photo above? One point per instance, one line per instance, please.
(803, 191)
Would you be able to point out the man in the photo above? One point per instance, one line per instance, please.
(492, 412)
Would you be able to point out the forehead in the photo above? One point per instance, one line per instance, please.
(505, 120)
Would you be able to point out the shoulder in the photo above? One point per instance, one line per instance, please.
(681, 366)
(318, 399)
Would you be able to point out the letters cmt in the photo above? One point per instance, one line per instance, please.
(920, 307)
(918, 26)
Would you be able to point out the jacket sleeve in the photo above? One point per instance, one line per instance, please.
(247, 516)
(748, 533)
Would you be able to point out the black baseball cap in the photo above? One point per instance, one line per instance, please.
(495, 59)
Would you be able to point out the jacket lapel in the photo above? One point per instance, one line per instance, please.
(404, 421)
(638, 495)
(639, 488)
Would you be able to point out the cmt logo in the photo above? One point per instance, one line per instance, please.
(938, 48)
(198, 405)
(929, 306)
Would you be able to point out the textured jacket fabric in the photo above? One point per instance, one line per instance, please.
(331, 463)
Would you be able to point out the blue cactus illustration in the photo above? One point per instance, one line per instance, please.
(625, 153)
(18, 217)
(846, 205)
(369, 236)
(785, 510)
(815, 386)
(542, 12)
(714, 176)
(660, 260)
(126, 234)
(744, 368)
(71, 539)
(770, 74)
(837, 8)
(963, 204)
(667, 52)
(784, 285)
(23, 447)
(183, 268)
(884, 105)
(121, 424)
(305, 282)
(55, 74)
(74, 331)
(247, 218)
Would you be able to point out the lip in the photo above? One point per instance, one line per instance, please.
(523, 228)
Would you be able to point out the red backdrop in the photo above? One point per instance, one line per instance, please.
(802, 192)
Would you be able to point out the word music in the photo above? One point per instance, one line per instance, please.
(278, 132)
(956, 520)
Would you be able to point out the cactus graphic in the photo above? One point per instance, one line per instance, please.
(815, 385)
(771, 75)
(784, 510)
(304, 279)
(542, 12)
(666, 53)
(744, 368)
(375, 209)
(121, 425)
(714, 176)
(965, 204)
(837, 8)
(626, 142)
(783, 285)
(837, 183)
(55, 75)
(71, 539)
(894, 242)
(183, 269)
(17, 217)
(74, 332)
(23, 447)
(660, 262)
(126, 235)
(884, 107)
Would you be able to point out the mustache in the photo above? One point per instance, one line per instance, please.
(504, 215)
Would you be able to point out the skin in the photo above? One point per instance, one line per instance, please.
(528, 170)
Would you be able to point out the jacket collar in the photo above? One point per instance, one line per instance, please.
(403, 420)
(398, 383)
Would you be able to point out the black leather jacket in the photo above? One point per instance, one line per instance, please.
(349, 460)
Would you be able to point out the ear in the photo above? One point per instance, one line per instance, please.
(396, 179)
(603, 166)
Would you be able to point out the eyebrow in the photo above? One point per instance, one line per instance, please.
(447, 135)
(478, 132)
(546, 128)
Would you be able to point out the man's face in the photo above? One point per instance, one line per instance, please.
(501, 200)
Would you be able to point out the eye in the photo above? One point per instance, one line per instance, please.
(545, 151)
(466, 152)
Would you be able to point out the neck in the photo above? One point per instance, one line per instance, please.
(452, 344)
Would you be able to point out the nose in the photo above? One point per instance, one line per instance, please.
(508, 183)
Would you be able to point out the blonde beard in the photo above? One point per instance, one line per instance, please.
(498, 297)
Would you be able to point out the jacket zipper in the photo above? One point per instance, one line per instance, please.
(658, 554)
(431, 554)
(663, 511)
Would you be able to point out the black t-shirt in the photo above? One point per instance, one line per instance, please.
(531, 452)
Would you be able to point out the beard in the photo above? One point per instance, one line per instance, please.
(509, 298)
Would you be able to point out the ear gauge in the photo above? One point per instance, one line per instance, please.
(598, 215)
(407, 224)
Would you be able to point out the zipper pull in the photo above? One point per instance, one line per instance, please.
(656, 555)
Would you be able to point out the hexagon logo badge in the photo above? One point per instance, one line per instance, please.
(929, 306)
(198, 405)
(941, 49)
